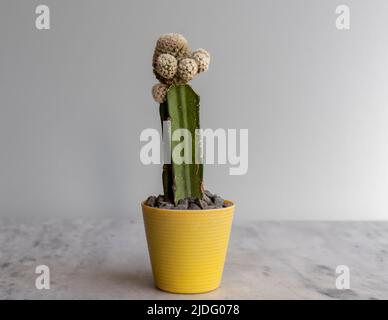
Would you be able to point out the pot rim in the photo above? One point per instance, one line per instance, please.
(204, 211)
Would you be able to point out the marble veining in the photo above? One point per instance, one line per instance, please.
(266, 260)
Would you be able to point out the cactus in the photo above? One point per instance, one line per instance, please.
(174, 65)
(159, 92)
(187, 69)
(202, 58)
(166, 66)
(183, 111)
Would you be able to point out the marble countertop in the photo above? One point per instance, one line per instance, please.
(266, 260)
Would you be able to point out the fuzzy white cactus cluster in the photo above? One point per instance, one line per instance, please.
(174, 63)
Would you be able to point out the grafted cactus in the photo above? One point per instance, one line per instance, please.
(174, 65)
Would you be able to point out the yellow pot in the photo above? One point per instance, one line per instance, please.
(187, 247)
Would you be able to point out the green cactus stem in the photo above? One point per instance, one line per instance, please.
(183, 112)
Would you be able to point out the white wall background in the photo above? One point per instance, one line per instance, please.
(74, 99)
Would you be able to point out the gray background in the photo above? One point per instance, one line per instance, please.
(74, 99)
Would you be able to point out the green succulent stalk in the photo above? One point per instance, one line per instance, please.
(183, 112)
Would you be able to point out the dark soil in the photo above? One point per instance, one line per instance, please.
(209, 201)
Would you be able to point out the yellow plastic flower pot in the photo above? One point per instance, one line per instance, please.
(187, 247)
